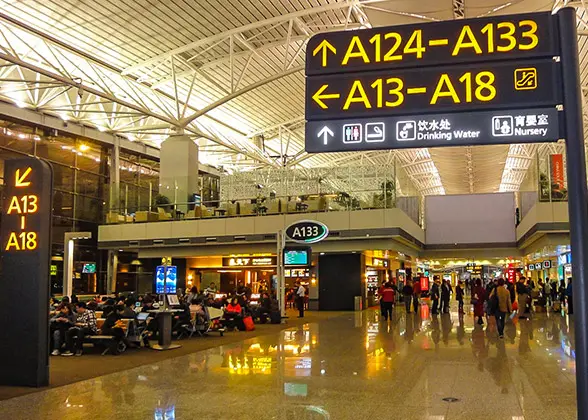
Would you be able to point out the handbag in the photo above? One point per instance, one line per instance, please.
(474, 300)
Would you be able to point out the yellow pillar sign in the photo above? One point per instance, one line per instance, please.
(22, 206)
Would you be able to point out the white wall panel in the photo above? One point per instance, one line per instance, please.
(470, 219)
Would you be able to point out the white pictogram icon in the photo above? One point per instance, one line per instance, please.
(502, 126)
(406, 130)
(352, 133)
(375, 132)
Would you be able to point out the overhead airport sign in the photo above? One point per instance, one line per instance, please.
(25, 244)
(458, 88)
(307, 231)
(439, 43)
(463, 82)
(431, 130)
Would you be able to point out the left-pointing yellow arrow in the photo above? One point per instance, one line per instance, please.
(318, 96)
(20, 180)
(324, 46)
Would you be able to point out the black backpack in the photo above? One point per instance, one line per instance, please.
(493, 303)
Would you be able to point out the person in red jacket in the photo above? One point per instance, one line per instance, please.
(387, 300)
(233, 314)
(416, 294)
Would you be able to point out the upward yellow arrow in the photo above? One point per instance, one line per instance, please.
(20, 180)
(324, 46)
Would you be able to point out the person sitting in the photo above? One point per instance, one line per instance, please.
(112, 326)
(59, 324)
(264, 308)
(233, 313)
(127, 310)
(85, 325)
(192, 295)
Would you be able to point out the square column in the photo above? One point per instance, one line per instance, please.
(178, 173)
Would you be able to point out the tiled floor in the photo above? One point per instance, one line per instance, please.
(352, 367)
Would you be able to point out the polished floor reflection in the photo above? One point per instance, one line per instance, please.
(355, 366)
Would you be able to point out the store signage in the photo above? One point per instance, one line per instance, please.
(531, 267)
(399, 87)
(53, 270)
(411, 131)
(537, 266)
(547, 264)
(307, 231)
(25, 245)
(249, 261)
(487, 39)
(475, 269)
(377, 262)
(459, 88)
(557, 172)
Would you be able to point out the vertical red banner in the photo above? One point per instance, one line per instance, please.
(557, 172)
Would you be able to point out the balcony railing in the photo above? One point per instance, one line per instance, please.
(264, 206)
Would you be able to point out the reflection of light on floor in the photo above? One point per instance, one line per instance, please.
(319, 410)
(165, 414)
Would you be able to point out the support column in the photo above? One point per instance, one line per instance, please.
(115, 204)
(68, 254)
(111, 270)
(178, 173)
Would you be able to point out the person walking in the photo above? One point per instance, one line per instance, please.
(503, 306)
(435, 295)
(416, 295)
(547, 292)
(478, 298)
(570, 297)
(522, 297)
(445, 296)
(407, 294)
(459, 294)
(300, 292)
(387, 301)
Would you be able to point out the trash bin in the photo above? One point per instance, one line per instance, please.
(357, 303)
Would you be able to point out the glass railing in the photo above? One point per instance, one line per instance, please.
(265, 206)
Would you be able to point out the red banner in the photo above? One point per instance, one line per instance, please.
(557, 172)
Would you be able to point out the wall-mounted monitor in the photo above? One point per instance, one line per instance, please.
(172, 279)
(89, 268)
(297, 256)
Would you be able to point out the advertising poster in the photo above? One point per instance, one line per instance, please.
(172, 279)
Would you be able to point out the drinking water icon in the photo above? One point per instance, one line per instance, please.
(405, 130)
(502, 126)
(352, 133)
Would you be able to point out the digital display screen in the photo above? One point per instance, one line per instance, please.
(172, 278)
(89, 268)
(296, 257)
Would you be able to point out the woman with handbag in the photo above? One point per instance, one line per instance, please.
(478, 298)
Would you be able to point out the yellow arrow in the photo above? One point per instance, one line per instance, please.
(318, 97)
(325, 45)
(20, 180)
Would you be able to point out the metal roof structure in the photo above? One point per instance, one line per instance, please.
(230, 73)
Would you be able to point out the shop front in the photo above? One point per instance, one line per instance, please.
(228, 272)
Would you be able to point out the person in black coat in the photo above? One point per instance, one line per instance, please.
(435, 295)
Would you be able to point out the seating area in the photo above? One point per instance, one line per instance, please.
(240, 208)
(113, 324)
